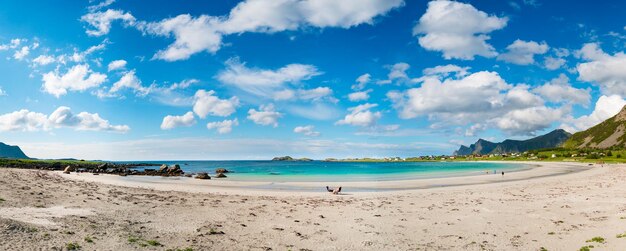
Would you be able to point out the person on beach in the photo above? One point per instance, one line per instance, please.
(502, 173)
(333, 190)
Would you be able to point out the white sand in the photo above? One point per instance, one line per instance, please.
(558, 212)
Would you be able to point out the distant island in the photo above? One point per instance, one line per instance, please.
(289, 158)
(550, 140)
(11, 152)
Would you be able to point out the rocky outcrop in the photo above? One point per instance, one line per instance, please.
(69, 169)
(221, 170)
(220, 175)
(203, 176)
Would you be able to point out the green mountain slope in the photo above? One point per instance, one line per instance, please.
(609, 133)
(12, 152)
(549, 140)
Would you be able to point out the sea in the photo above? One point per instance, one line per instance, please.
(315, 171)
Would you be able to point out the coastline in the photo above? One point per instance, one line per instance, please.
(536, 170)
(47, 210)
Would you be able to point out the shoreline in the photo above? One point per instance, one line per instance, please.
(534, 171)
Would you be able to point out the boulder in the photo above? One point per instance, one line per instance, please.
(221, 170)
(163, 168)
(220, 175)
(203, 176)
(174, 169)
(103, 166)
(68, 169)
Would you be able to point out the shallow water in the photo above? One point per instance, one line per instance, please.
(280, 171)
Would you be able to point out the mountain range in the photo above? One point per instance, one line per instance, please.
(552, 139)
(13, 152)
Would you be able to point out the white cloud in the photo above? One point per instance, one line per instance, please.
(529, 120)
(44, 60)
(560, 90)
(361, 82)
(84, 121)
(397, 72)
(205, 103)
(101, 21)
(171, 122)
(606, 107)
(457, 29)
(14, 43)
(482, 98)
(603, 69)
(21, 53)
(552, 63)
(192, 35)
(77, 78)
(117, 64)
(359, 96)
(2, 92)
(266, 115)
(25, 120)
(308, 130)
(523, 52)
(100, 5)
(361, 116)
(264, 82)
(204, 33)
(129, 81)
(223, 127)
(445, 70)
(315, 94)
(22, 120)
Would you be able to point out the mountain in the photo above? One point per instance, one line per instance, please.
(552, 139)
(609, 133)
(13, 152)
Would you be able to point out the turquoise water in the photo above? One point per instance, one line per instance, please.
(341, 171)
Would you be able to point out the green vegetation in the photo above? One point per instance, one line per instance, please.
(597, 239)
(72, 246)
(88, 239)
(143, 243)
(551, 233)
(543, 249)
(2, 200)
(597, 134)
(178, 249)
(586, 248)
(621, 235)
(56, 164)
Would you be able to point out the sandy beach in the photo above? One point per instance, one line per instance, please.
(557, 206)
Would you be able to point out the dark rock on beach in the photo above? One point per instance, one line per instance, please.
(203, 176)
(220, 175)
(221, 170)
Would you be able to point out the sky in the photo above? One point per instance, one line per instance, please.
(254, 79)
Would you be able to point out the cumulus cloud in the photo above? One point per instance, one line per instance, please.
(266, 115)
(84, 121)
(21, 53)
(44, 60)
(482, 98)
(117, 65)
(223, 127)
(171, 122)
(560, 90)
(2, 92)
(457, 29)
(100, 5)
(14, 43)
(264, 82)
(315, 94)
(101, 21)
(602, 69)
(359, 96)
(22, 120)
(446, 70)
(206, 103)
(77, 78)
(361, 115)
(523, 52)
(25, 120)
(397, 72)
(606, 107)
(205, 33)
(362, 81)
(129, 81)
(308, 130)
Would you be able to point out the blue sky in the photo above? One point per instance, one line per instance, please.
(131, 80)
